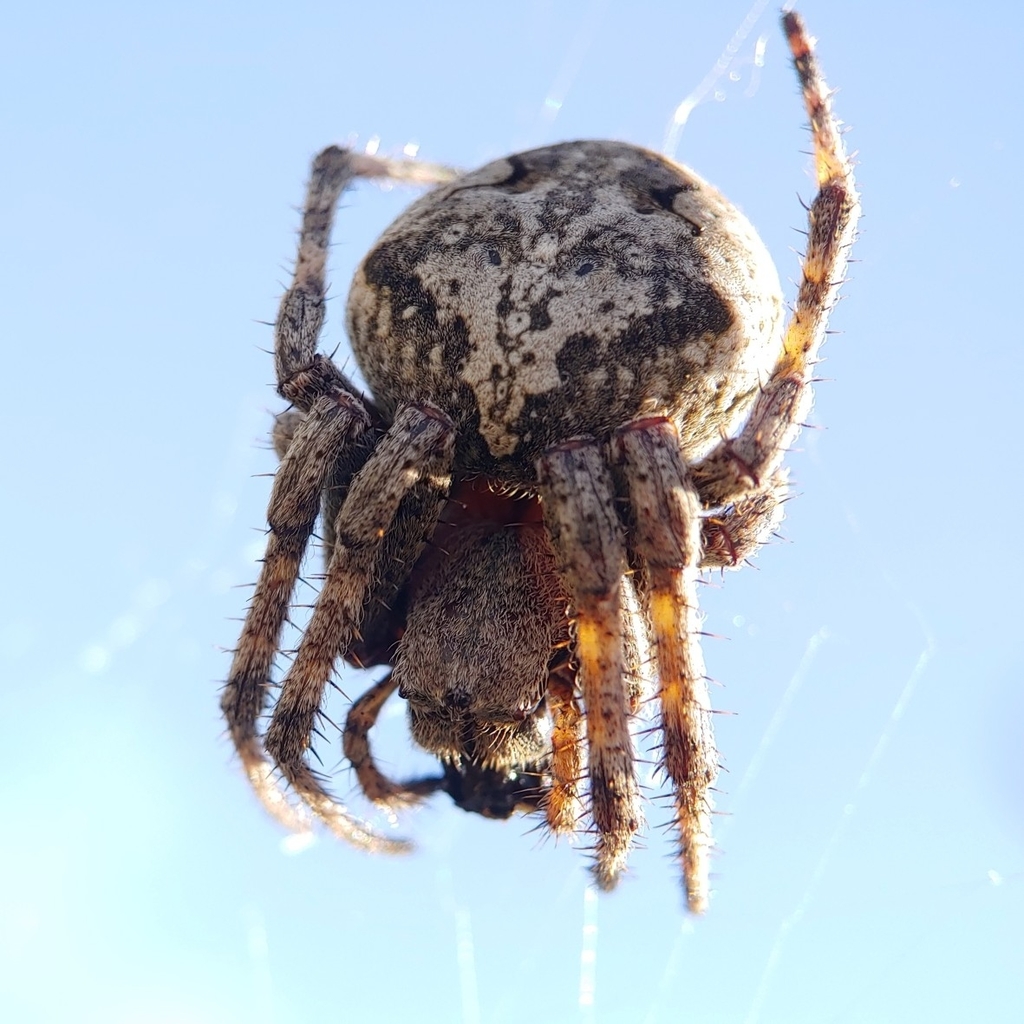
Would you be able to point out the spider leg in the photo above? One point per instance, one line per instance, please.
(332, 422)
(739, 465)
(562, 803)
(318, 443)
(311, 443)
(730, 536)
(376, 786)
(579, 510)
(300, 369)
(283, 431)
(419, 444)
(667, 534)
(639, 659)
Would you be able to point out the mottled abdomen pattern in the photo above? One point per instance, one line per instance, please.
(574, 287)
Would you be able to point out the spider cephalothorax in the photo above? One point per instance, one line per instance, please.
(582, 390)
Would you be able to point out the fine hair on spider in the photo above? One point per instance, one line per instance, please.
(581, 385)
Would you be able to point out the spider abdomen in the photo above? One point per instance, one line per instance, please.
(575, 288)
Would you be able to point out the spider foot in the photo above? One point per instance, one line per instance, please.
(335, 816)
(269, 792)
(611, 857)
(693, 819)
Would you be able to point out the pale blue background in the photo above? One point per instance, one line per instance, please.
(872, 837)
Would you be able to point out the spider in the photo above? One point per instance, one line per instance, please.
(582, 392)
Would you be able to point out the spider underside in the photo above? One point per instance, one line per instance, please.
(582, 391)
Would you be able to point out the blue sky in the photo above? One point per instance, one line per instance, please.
(871, 842)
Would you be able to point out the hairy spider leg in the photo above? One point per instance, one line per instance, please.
(419, 444)
(579, 510)
(314, 440)
(362, 717)
(333, 421)
(666, 540)
(742, 465)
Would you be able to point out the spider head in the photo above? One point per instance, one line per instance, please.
(473, 659)
(493, 756)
